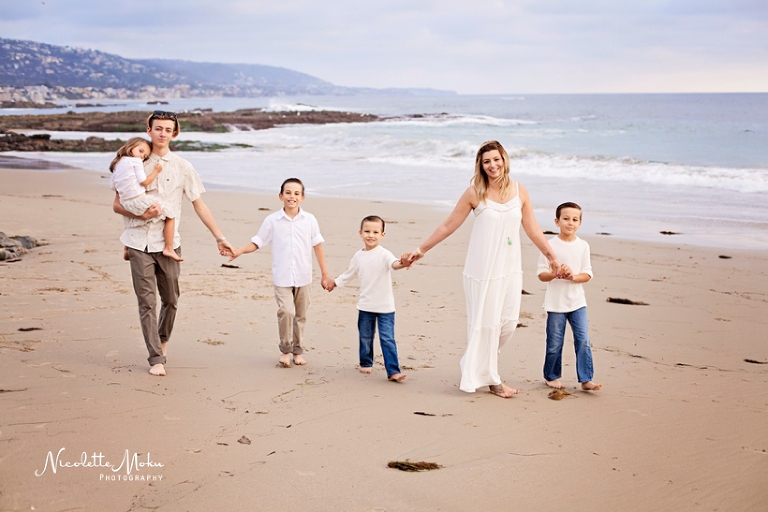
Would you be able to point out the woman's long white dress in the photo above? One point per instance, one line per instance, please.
(493, 283)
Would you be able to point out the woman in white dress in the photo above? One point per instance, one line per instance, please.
(493, 275)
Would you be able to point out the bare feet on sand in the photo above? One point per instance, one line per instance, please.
(555, 384)
(284, 361)
(366, 370)
(590, 386)
(158, 370)
(172, 254)
(503, 390)
(397, 377)
(297, 359)
(126, 254)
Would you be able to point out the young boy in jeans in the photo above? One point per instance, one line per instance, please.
(373, 265)
(294, 234)
(565, 300)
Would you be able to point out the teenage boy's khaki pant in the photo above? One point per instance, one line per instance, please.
(292, 304)
(153, 272)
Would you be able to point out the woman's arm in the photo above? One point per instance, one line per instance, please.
(534, 232)
(465, 204)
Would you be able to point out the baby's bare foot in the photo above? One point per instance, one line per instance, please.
(157, 370)
(171, 254)
(365, 369)
(590, 386)
(397, 377)
(555, 384)
(297, 359)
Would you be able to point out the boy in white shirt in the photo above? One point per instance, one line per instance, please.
(565, 301)
(294, 233)
(373, 265)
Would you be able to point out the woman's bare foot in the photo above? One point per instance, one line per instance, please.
(284, 361)
(172, 254)
(297, 359)
(590, 386)
(555, 384)
(126, 254)
(503, 390)
(157, 370)
(397, 377)
(365, 369)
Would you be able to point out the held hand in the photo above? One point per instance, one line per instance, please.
(225, 249)
(153, 211)
(554, 265)
(566, 272)
(327, 283)
(158, 167)
(409, 258)
(234, 253)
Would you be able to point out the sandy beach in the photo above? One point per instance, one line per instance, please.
(680, 423)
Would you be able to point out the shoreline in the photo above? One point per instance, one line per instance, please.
(678, 392)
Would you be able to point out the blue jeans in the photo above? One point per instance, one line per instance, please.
(366, 325)
(555, 337)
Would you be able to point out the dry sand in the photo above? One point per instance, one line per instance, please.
(680, 424)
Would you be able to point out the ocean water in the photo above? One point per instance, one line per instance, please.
(695, 164)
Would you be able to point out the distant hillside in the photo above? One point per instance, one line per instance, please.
(28, 63)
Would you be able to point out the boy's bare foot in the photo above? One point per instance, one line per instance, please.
(297, 359)
(365, 369)
(590, 386)
(172, 254)
(503, 390)
(126, 254)
(397, 377)
(284, 361)
(555, 384)
(157, 370)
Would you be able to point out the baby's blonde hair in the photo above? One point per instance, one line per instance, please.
(126, 150)
(480, 179)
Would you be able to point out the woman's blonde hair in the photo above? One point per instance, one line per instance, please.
(480, 179)
(126, 150)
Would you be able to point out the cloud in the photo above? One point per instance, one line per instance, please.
(486, 46)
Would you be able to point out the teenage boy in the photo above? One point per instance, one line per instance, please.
(565, 301)
(150, 269)
(294, 235)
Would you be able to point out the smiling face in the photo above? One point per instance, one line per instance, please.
(493, 164)
(291, 196)
(569, 222)
(372, 232)
(162, 132)
(141, 151)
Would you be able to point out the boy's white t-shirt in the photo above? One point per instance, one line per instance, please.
(374, 269)
(563, 296)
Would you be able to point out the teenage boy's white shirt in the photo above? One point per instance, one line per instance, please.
(178, 180)
(292, 241)
(563, 296)
(374, 269)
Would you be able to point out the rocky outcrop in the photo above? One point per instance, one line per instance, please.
(13, 247)
(195, 121)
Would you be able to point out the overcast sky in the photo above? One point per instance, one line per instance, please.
(470, 46)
